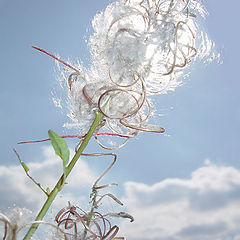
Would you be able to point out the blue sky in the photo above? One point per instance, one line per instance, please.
(201, 119)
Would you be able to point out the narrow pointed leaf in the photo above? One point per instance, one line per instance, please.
(25, 167)
(60, 147)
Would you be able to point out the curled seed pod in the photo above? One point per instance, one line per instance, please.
(117, 111)
(95, 185)
(13, 227)
(7, 228)
(73, 222)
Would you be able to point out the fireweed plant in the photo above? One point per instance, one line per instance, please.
(139, 48)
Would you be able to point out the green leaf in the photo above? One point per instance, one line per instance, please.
(25, 167)
(60, 147)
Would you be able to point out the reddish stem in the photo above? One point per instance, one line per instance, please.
(56, 58)
(76, 136)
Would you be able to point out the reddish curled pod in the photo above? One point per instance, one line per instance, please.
(114, 98)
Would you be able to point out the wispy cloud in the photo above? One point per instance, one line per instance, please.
(206, 206)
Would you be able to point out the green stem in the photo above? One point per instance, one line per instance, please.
(62, 179)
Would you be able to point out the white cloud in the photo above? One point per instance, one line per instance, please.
(17, 189)
(204, 207)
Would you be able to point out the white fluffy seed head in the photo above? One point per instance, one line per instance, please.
(139, 48)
